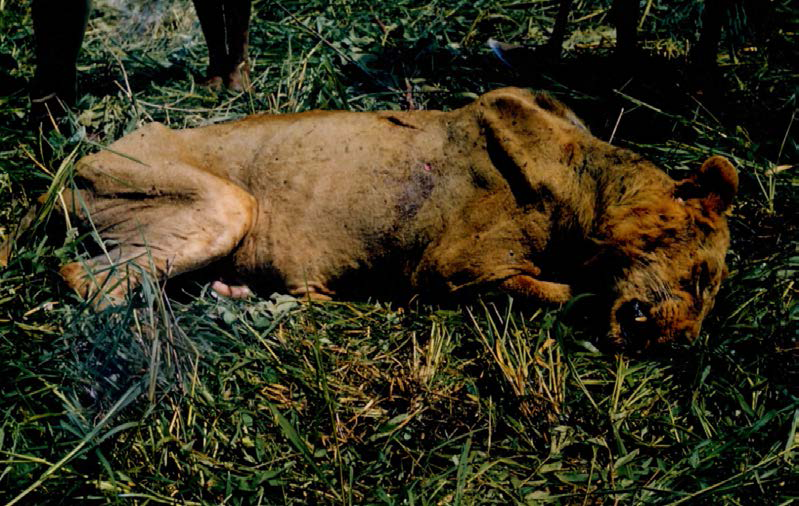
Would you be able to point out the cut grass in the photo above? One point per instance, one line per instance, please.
(194, 400)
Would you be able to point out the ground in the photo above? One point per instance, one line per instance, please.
(190, 398)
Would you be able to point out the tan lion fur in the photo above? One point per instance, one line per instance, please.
(510, 191)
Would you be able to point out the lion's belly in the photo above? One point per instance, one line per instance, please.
(335, 201)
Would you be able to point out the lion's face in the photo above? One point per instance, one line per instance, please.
(672, 248)
(665, 294)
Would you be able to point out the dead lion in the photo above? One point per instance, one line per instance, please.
(511, 191)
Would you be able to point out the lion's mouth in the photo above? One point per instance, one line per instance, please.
(635, 325)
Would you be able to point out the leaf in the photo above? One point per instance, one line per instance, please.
(301, 445)
(463, 466)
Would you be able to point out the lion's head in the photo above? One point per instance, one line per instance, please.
(669, 250)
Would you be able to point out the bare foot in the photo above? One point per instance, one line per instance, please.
(239, 78)
(213, 83)
(232, 291)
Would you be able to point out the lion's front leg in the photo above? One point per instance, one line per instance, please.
(545, 291)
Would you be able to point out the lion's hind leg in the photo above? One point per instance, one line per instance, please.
(160, 235)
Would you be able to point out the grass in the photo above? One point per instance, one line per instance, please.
(189, 399)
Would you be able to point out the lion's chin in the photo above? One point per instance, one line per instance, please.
(649, 335)
(617, 340)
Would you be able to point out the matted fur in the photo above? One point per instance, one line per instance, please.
(511, 191)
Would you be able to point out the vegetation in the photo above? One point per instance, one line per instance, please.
(182, 397)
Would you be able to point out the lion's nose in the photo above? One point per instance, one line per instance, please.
(635, 320)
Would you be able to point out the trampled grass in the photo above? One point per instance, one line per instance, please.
(185, 398)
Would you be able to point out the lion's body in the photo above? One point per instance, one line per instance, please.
(509, 191)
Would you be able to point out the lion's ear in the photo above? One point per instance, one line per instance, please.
(716, 183)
